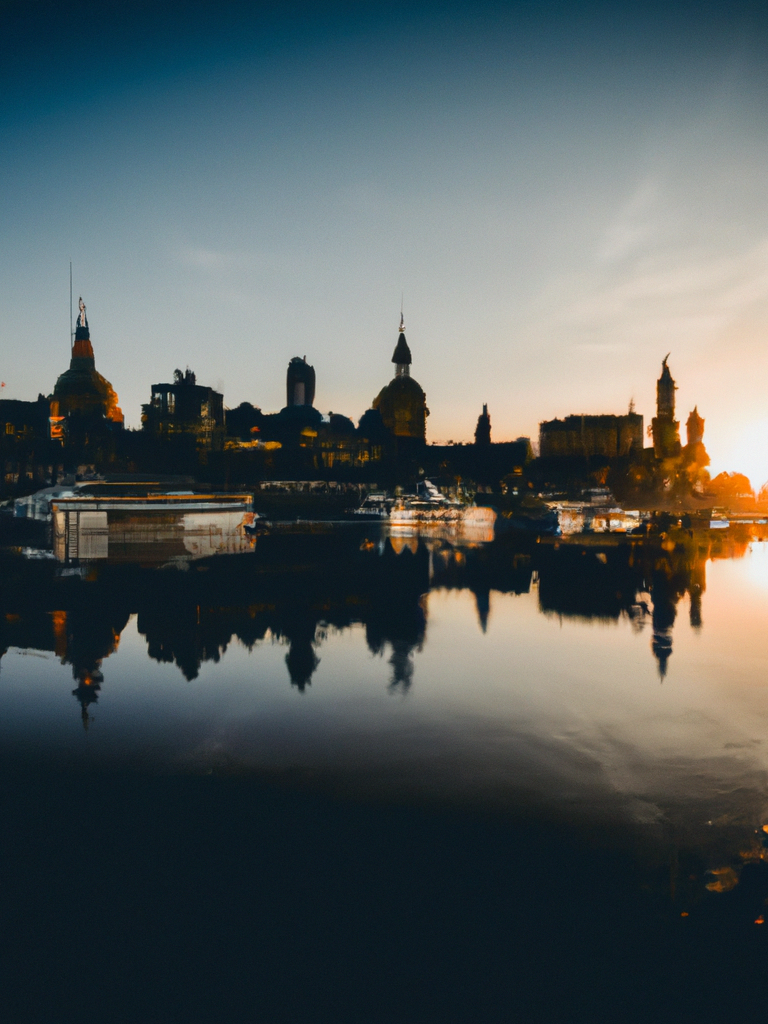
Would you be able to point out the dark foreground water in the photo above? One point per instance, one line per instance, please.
(353, 778)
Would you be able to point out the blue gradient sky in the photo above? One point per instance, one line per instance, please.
(562, 196)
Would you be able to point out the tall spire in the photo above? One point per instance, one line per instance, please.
(664, 426)
(402, 354)
(665, 391)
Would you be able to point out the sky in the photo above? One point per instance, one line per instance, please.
(559, 193)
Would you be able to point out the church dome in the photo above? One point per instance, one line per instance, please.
(81, 390)
(402, 404)
(403, 408)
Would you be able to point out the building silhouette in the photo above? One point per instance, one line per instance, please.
(402, 403)
(694, 428)
(586, 436)
(300, 383)
(695, 457)
(185, 407)
(483, 428)
(21, 421)
(26, 456)
(664, 426)
(81, 393)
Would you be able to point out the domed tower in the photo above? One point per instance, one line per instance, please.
(81, 390)
(664, 426)
(402, 403)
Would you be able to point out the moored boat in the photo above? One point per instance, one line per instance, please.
(427, 507)
(583, 517)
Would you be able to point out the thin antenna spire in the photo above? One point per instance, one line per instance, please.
(402, 321)
(71, 329)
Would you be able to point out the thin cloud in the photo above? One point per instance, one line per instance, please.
(707, 290)
(636, 224)
(205, 259)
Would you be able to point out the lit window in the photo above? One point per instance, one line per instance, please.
(9, 428)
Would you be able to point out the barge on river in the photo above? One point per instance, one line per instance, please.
(140, 524)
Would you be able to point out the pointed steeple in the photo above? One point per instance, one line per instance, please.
(402, 354)
(483, 428)
(665, 428)
(695, 427)
(82, 348)
(402, 403)
(665, 391)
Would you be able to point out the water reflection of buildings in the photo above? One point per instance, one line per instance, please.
(399, 615)
(80, 626)
(303, 586)
(635, 581)
(293, 589)
(296, 589)
(83, 640)
(481, 570)
(642, 581)
(148, 528)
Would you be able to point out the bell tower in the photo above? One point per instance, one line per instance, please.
(664, 426)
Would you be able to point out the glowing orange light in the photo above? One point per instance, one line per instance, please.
(760, 920)
(725, 879)
(684, 914)
(60, 633)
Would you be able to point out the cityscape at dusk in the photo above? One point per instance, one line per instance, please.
(560, 195)
(383, 511)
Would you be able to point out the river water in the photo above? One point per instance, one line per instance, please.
(358, 777)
